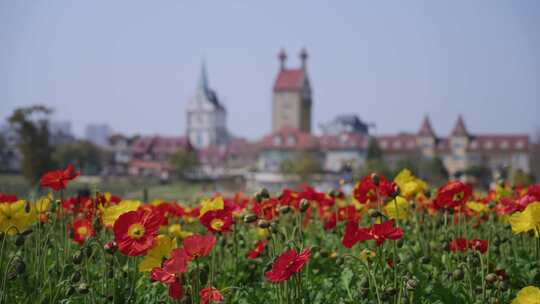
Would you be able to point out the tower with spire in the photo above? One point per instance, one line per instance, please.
(291, 101)
(206, 116)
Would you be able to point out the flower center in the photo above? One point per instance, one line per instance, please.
(457, 197)
(216, 224)
(82, 231)
(136, 231)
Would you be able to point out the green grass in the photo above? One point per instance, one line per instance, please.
(126, 188)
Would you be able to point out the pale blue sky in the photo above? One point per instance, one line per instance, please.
(135, 64)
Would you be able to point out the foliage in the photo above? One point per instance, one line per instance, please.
(32, 127)
(304, 164)
(374, 245)
(374, 151)
(184, 161)
(83, 154)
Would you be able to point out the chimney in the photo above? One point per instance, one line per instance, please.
(282, 58)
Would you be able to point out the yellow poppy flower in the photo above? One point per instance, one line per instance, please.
(478, 207)
(211, 204)
(528, 295)
(163, 245)
(111, 213)
(177, 231)
(42, 204)
(367, 255)
(15, 217)
(409, 184)
(527, 220)
(397, 208)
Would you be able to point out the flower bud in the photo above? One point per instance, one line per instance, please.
(374, 213)
(76, 277)
(71, 290)
(250, 218)
(110, 247)
(19, 240)
(96, 224)
(27, 206)
(263, 224)
(284, 209)
(375, 178)
(273, 227)
(411, 284)
(395, 192)
(491, 278)
(304, 205)
(83, 288)
(27, 231)
(457, 274)
(77, 257)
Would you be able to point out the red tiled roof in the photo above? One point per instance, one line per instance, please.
(343, 141)
(289, 79)
(289, 138)
(160, 144)
(426, 129)
(499, 142)
(459, 128)
(403, 142)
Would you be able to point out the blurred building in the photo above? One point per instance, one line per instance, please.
(150, 155)
(98, 134)
(461, 149)
(120, 147)
(206, 117)
(291, 101)
(60, 132)
(346, 123)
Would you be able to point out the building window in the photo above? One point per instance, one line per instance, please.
(291, 140)
(504, 144)
(277, 141)
(488, 144)
(397, 144)
(384, 145)
(474, 145)
(520, 144)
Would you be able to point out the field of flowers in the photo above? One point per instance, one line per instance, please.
(389, 241)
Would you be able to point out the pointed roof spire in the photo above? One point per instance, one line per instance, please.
(426, 129)
(303, 58)
(282, 56)
(459, 127)
(203, 81)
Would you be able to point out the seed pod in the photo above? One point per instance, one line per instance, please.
(457, 274)
(304, 205)
(395, 192)
(83, 288)
(264, 193)
(263, 224)
(491, 278)
(284, 209)
(77, 257)
(19, 240)
(390, 291)
(411, 284)
(250, 218)
(273, 227)
(425, 260)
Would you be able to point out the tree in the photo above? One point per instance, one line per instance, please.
(184, 161)
(535, 156)
(433, 170)
(83, 154)
(303, 164)
(32, 127)
(374, 151)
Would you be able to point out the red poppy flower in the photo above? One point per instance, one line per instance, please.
(170, 273)
(330, 221)
(134, 231)
(210, 294)
(383, 232)
(175, 290)
(459, 244)
(199, 245)
(368, 190)
(217, 220)
(479, 245)
(350, 235)
(59, 179)
(7, 198)
(287, 264)
(452, 195)
(82, 230)
(259, 248)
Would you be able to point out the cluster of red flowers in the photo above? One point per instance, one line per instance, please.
(169, 273)
(453, 194)
(373, 188)
(461, 245)
(378, 232)
(287, 264)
